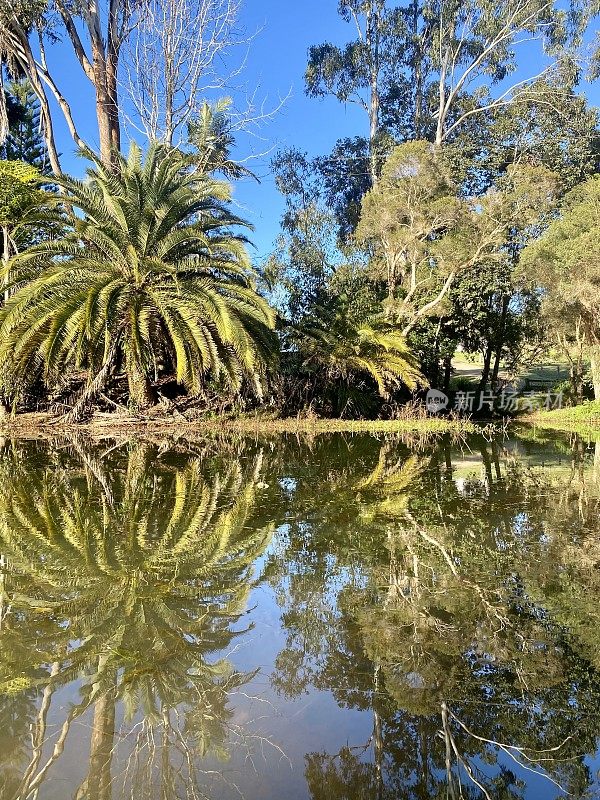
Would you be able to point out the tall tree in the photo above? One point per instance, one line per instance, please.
(475, 48)
(365, 69)
(24, 141)
(565, 262)
(423, 233)
(96, 31)
(437, 70)
(174, 55)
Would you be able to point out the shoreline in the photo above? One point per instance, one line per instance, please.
(106, 425)
(583, 419)
(32, 423)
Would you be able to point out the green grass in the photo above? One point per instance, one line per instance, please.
(552, 371)
(579, 419)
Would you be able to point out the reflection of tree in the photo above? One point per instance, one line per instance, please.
(127, 580)
(442, 622)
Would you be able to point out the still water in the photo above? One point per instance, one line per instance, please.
(342, 618)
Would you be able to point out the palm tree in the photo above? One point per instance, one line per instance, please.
(149, 276)
(345, 352)
(211, 136)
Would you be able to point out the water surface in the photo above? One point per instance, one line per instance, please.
(342, 618)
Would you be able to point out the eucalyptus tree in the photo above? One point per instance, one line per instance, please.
(423, 234)
(564, 262)
(368, 71)
(492, 310)
(148, 62)
(444, 61)
(96, 32)
(149, 271)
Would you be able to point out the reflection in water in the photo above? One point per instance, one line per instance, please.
(471, 635)
(129, 583)
(445, 597)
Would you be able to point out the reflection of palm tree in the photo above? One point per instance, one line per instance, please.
(134, 588)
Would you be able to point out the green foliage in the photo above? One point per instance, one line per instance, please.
(149, 273)
(18, 190)
(333, 345)
(24, 141)
(212, 140)
(304, 258)
(423, 234)
(565, 262)
(347, 72)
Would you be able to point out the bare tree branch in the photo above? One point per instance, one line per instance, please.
(174, 57)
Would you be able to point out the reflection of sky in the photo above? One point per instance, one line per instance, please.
(292, 728)
(314, 722)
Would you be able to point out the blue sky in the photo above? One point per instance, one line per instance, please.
(275, 64)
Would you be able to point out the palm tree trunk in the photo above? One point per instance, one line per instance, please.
(141, 394)
(5, 259)
(4, 604)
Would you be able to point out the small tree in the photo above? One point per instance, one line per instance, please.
(149, 272)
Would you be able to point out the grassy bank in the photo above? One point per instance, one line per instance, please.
(107, 423)
(579, 419)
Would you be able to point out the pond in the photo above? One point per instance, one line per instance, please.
(335, 618)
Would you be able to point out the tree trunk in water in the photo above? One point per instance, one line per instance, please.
(101, 748)
(3, 594)
(5, 258)
(377, 736)
(487, 465)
